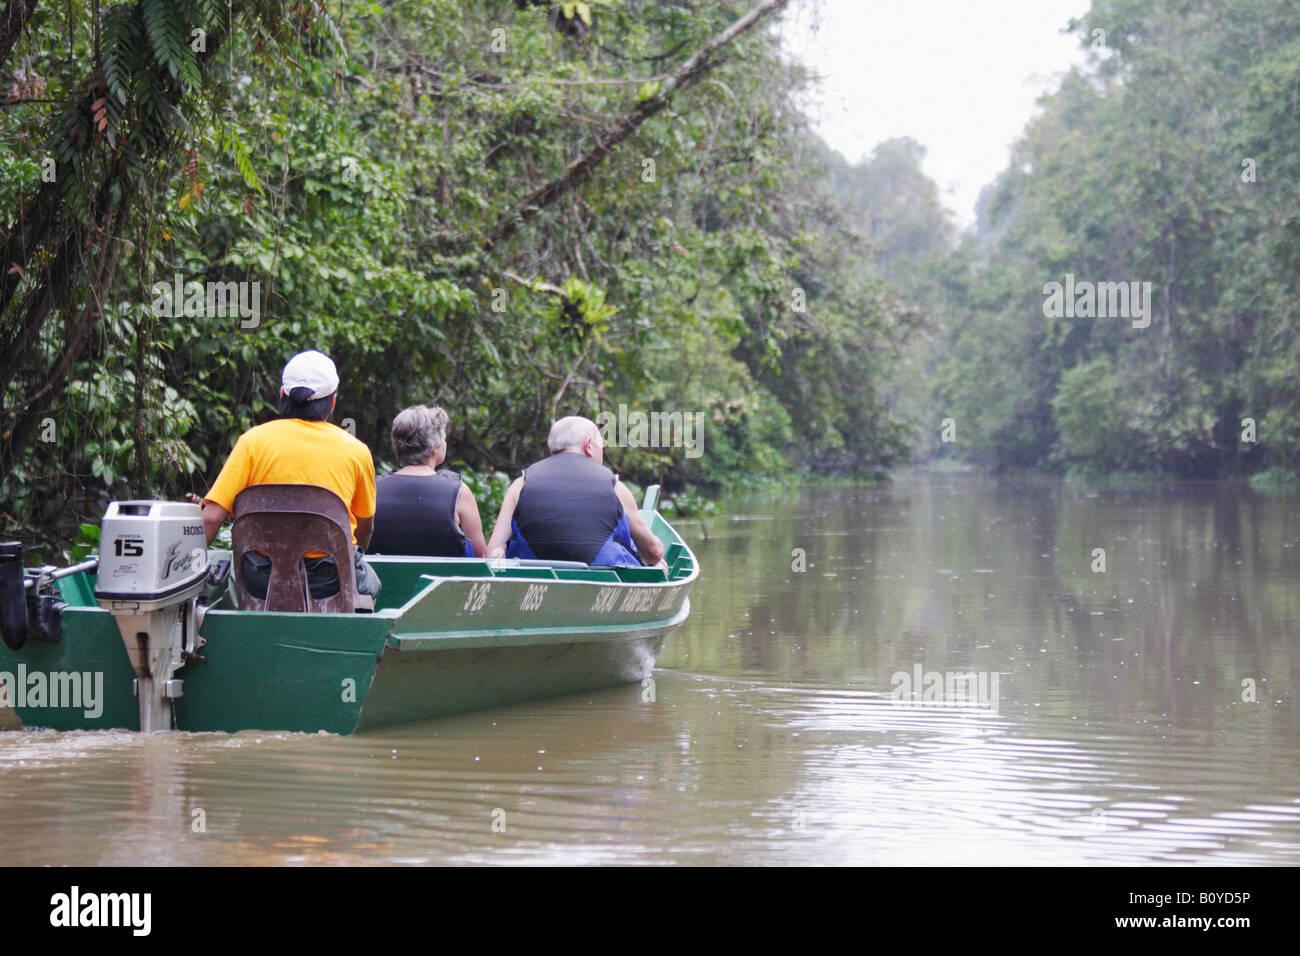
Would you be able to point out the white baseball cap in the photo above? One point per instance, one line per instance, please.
(313, 370)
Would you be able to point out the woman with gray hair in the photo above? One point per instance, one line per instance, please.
(420, 510)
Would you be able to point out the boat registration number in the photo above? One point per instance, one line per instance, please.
(478, 594)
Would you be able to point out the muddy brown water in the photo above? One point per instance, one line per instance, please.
(934, 671)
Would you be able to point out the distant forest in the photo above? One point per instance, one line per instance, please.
(525, 209)
(1173, 160)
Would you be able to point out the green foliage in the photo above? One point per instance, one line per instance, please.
(84, 545)
(1094, 420)
(1276, 478)
(489, 489)
(1171, 160)
(350, 161)
(685, 504)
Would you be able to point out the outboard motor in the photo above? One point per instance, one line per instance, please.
(153, 563)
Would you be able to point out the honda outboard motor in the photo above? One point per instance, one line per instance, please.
(153, 563)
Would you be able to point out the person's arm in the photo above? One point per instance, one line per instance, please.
(230, 482)
(496, 547)
(471, 525)
(651, 548)
(213, 517)
(364, 499)
(365, 528)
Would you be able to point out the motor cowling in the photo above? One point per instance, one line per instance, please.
(151, 553)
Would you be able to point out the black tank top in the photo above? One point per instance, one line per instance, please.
(567, 507)
(416, 514)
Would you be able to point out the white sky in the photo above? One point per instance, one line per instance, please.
(959, 76)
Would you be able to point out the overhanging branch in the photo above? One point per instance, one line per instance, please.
(681, 78)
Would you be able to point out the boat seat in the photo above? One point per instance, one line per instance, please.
(285, 522)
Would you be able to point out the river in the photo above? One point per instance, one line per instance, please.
(942, 670)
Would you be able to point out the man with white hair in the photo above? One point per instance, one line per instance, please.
(570, 507)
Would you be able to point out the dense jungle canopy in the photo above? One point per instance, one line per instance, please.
(524, 209)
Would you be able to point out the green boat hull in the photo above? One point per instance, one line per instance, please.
(470, 635)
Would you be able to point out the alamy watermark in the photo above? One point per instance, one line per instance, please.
(922, 688)
(58, 689)
(1098, 300)
(211, 299)
(639, 429)
(77, 909)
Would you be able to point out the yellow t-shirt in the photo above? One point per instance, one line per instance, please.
(298, 452)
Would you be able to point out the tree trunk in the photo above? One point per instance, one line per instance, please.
(13, 19)
(37, 405)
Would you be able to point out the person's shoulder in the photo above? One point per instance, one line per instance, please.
(352, 440)
(604, 471)
(359, 452)
(279, 426)
(595, 466)
(263, 432)
(347, 439)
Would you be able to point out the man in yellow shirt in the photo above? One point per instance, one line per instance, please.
(302, 447)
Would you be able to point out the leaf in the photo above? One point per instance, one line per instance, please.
(121, 53)
(235, 147)
(491, 349)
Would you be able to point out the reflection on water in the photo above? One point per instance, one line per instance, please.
(1145, 713)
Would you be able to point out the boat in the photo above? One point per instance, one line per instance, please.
(112, 643)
